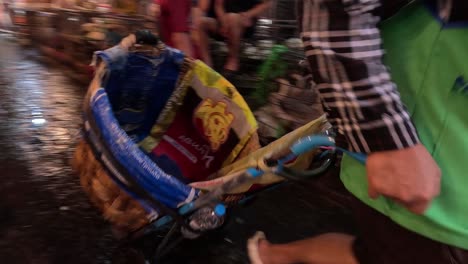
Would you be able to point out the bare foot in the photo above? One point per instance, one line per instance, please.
(270, 254)
(332, 248)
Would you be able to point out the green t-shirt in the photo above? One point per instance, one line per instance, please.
(429, 63)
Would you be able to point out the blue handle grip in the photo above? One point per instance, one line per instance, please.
(308, 143)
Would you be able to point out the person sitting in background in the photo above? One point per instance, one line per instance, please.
(229, 19)
(174, 23)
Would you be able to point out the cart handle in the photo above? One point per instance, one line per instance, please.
(311, 142)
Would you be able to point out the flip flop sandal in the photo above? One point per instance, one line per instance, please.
(252, 247)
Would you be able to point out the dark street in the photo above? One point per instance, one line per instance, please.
(45, 217)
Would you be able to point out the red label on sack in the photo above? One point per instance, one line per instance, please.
(200, 138)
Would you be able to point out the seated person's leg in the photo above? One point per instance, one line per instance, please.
(234, 32)
(206, 25)
(241, 18)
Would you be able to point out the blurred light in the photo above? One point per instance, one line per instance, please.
(38, 121)
(265, 21)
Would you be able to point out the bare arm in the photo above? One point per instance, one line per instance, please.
(182, 42)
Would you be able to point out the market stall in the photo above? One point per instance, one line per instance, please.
(68, 32)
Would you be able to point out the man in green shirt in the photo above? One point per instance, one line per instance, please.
(409, 200)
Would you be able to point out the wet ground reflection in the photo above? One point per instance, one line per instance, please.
(44, 216)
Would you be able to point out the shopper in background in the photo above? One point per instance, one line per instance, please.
(174, 18)
(230, 20)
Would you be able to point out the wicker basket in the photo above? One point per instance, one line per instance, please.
(121, 210)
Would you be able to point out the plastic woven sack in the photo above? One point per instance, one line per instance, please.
(137, 99)
(256, 158)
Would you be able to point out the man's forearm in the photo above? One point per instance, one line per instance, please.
(343, 46)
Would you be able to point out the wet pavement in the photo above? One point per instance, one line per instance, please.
(45, 217)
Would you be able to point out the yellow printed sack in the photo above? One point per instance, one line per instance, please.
(204, 126)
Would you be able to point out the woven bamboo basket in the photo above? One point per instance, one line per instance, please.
(117, 207)
(122, 211)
